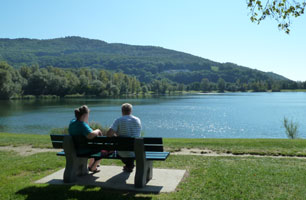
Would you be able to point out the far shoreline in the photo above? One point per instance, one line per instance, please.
(177, 93)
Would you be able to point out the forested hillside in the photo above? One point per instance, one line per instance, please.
(80, 66)
(147, 63)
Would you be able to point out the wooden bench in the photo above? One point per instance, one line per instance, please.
(146, 151)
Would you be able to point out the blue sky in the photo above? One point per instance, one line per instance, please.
(216, 30)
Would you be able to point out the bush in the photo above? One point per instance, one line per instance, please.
(291, 128)
(77, 95)
(93, 125)
(48, 97)
(142, 134)
(59, 131)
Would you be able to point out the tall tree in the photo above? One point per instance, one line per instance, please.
(6, 84)
(221, 85)
(205, 85)
(9, 81)
(37, 84)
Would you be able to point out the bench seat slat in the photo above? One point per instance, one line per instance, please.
(157, 156)
(149, 155)
(61, 153)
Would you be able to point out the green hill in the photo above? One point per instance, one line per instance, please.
(145, 62)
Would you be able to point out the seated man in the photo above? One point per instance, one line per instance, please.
(126, 126)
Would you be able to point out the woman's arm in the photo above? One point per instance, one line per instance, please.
(94, 134)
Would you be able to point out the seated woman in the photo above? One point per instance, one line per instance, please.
(80, 127)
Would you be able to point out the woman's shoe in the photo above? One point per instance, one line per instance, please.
(94, 171)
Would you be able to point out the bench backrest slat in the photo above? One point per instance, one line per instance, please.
(57, 144)
(111, 146)
(152, 140)
(154, 147)
(109, 143)
(103, 139)
(57, 141)
(57, 137)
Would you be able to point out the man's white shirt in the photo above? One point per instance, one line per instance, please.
(127, 126)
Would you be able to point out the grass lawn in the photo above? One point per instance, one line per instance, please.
(37, 141)
(283, 147)
(295, 90)
(207, 177)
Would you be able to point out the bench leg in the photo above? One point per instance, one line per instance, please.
(82, 166)
(144, 173)
(74, 167)
(149, 170)
(144, 167)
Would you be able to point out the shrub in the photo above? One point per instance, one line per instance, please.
(93, 125)
(59, 131)
(142, 134)
(96, 125)
(291, 128)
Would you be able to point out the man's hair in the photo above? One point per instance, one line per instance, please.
(126, 108)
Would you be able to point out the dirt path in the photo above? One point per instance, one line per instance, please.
(205, 152)
(29, 150)
(26, 150)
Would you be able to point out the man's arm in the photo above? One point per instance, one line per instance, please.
(111, 133)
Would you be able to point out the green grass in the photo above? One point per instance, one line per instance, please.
(37, 141)
(284, 147)
(206, 178)
(293, 90)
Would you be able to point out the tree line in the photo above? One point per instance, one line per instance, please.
(165, 86)
(33, 80)
(255, 86)
(50, 80)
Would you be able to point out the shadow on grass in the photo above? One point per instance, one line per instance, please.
(56, 192)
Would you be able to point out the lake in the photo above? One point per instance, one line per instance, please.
(227, 115)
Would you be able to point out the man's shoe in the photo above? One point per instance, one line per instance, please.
(127, 169)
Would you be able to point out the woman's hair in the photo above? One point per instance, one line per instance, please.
(79, 112)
